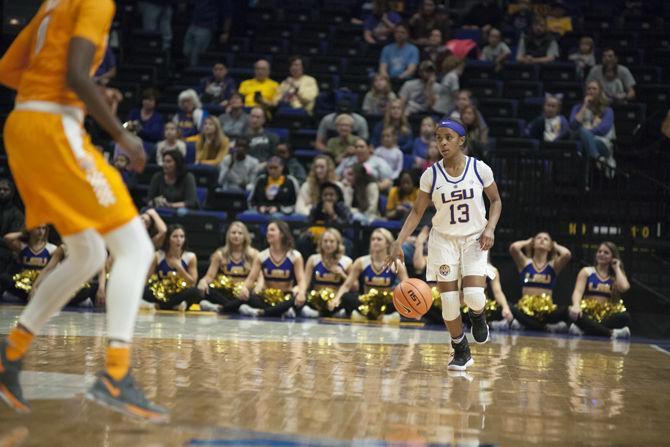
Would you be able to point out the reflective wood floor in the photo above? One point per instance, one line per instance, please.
(247, 382)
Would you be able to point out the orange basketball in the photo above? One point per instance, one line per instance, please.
(412, 298)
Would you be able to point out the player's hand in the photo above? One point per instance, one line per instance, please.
(134, 149)
(486, 239)
(203, 288)
(574, 312)
(100, 297)
(396, 255)
(616, 263)
(334, 303)
(300, 299)
(507, 314)
(244, 293)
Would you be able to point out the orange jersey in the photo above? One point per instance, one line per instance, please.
(36, 63)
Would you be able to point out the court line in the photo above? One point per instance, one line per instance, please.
(659, 349)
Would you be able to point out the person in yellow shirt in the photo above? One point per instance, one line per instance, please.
(259, 90)
(401, 197)
(64, 180)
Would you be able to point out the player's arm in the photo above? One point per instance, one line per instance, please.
(192, 271)
(578, 293)
(488, 236)
(347, 285)
(413, 218)
(79, 60)
(299, 272)
(15, 60)
(518, 256)
(251, 278)
(563, 256)
(56, 257)
(307, 276)
(214, 266)
(14, 241)
(500, 297)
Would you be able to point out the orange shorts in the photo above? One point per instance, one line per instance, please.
(61, 177)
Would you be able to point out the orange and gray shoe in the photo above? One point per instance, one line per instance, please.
(123, 396)
(10, 388)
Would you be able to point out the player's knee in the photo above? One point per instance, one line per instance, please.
(474, 297)
(451, 305)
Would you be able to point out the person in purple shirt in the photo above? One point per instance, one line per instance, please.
(592, 121)
(107, 69)
(209, 18)
(151, 122)
(399, 59)
(378, 27)
(218, 88)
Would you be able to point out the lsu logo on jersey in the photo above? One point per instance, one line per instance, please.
(457, 195)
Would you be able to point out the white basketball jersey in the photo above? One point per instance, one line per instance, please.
(458, 200)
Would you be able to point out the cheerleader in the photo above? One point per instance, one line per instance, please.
(282, 268)
(596, 308)
(461, 235)
(228, 264)
(325, 271)
(538, 272)
(374, 277)
(33, 251)
(155, 227)
(176, 272)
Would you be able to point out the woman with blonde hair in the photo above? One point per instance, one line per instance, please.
(228, 266)
(379, 96)
(325, 272)
(212, 144)
(592, 121)
(322, 171)
(395, 117)
(376, 285)
(596, 305)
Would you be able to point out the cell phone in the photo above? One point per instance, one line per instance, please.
(257, 96)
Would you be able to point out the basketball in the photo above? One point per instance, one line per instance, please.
(412, 298)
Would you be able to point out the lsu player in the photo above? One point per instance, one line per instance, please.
(460, 236)
(65, 181)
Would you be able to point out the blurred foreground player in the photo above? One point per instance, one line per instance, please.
(65, 181)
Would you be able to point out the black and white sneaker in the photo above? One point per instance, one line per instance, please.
(462, 358)
(480, 330)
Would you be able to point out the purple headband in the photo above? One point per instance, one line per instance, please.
(453, 125)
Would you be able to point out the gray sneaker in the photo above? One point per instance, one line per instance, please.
(124, 397)
(10, 388)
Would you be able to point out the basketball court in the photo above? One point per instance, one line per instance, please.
(277, 383)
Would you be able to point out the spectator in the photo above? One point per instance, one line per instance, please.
(551, 125)
(426, 20)
(378, 26)
(173, 187)
(378, 97)
(377, 167)
(496, 51)
(463, 99)
(298, 90)
(321, 172)
(262, 143)
(435, 50)
(341, 146)
(361, 193)
(218, 88)
(274, 192)
(395, 117)
(399, 59)
(401, 197)
(420, 95)
(453, 68)
(291, 164)
(483, 15)
(477, 135)
(259, 91)
(157, 16)
(390, 152)
(593, 123)
(122, 164)
(171, 142)
(331, 210)
(327, 124)
(585, 57)
(151, 123)
(609, 59)
(433, 155)
(107, 68)
(557, 20)
(235, 122)
(238, 170)
(520, 20)
(426, 135)
(190, 116)
(539, 46)
(209, 17)
(11, 220)
(212, 144)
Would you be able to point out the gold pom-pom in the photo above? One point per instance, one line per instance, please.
(275, 296)
(437, 299)
(538, 306)
(319, 299)
(24, 280)
(598, 310)
(227, 284)
(164, 288)
(374, 303)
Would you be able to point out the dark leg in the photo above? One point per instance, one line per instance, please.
(350, 302)
(617, 321)
(592, 327)
(531, 323)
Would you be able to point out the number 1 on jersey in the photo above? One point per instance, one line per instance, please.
(464, 211)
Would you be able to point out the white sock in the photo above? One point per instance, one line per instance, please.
(132, 250)
(458, 339)
(86, 257)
